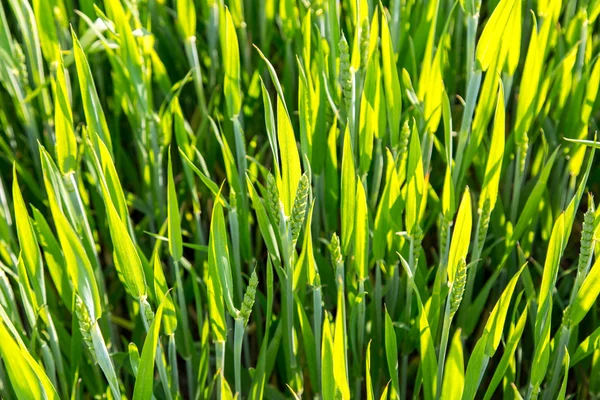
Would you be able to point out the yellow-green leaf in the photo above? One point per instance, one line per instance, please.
(391, 82)
(174, 221)
(219, 256)
(145, 377)
(461, 236)
(348, 202)
(27, 378)
(361, 233)
(186, 17)
(493, 168)
(66, 143)
(490, 42)
(30, 251)
(454, 372)
(290, 160)
(231, 64)
(94, 115)
(162, 291)
(77, 261)
(496, 321)
(339, 350)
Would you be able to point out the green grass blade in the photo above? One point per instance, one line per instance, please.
(174, 220)
(144, 382)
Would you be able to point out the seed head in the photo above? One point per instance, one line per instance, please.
(147, 310)
(458, 287)
(404, 135)
(484, 224)
(299, 209)
(587, 237)
(274, 204)
(345, 75)
(336, 250)
(249, 296)
(21, 64)
(523, 146)
(417, 237)
(85, 324)
(364, 44)
(566, 321)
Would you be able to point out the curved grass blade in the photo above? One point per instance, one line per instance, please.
(145, 377)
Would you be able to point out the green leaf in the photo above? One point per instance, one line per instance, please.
(531, 206)
(429, 360)
(369, 113)
(454, 371)
(266, 229)
(30, 251)
(348, 201)
(384, 392)
(591, 143)
(541, 356)
(448, 195)
(447, 117)
(66, 143)
(275, 79)
(340, 373)
(588, 346)
(416, 181)
(431, 85)
(493, 168)
(530, 85)
(78, 264)
(174, 220)
(369, 383)
(389, 196)
(126, 258)
(308, 339)
(461, 237)
(514, 338)
(475, 368)
(186, 17)
(391, 82)
(27, 378)
(270, 124)
(109, 177)
(145, 378)
(219, 258)
(496, 321)
(491, 42)
(48, 39)
(231, 64)
(361, 233)
(565, 366)
(54, 258)
(490, 339)
(551, 266)
(134, 358)
(586, 296)
(290, 161)
(162, 291)
(94, 115)
(391, 353)
(327, 363)
(213, 187)
(306, 260)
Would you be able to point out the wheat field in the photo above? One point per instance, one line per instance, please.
(296, 199)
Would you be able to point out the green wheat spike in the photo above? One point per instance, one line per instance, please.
(249, 297)
(85, 324)
(458, 287)
(299, 209)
